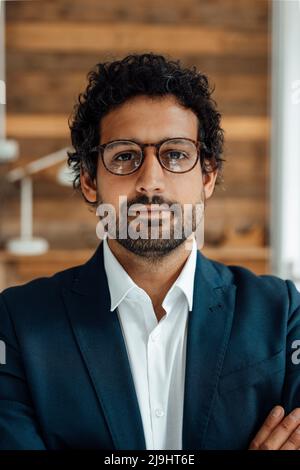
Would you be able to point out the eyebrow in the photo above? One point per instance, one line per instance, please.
(138, 141)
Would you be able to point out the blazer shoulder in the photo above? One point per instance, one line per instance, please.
(273, 289)
(38, 289)
(248, 282)
(268, 282)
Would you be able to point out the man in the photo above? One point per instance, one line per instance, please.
(149, 345)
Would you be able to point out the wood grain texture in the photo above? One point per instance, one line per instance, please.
(44, 92)
(64, 62)
(138, 37)
(242, 128)
(249, 15)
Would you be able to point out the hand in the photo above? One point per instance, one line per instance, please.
(278, 432)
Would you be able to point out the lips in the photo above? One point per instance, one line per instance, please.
(155, 216)
(147, 211)
(153, 210)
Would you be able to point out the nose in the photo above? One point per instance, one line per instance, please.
(150, 180)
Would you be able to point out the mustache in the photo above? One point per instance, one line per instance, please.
(143, 199)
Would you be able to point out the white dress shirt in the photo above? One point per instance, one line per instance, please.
(156, 350)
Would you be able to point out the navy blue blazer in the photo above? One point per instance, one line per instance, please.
(67, 383)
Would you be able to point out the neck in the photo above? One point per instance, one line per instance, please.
(154, 278)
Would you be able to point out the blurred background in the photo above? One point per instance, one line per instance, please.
(250, 51)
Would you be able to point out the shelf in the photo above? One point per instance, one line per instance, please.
(16, 269)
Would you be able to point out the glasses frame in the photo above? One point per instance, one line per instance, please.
(100, 148)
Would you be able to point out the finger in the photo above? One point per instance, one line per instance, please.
(268, 426)
(293, 442)
(282, 432)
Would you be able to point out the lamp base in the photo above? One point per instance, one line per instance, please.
(27, 246)
(9, 150)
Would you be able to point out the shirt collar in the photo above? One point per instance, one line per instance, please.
(185, 280)
(121, 285)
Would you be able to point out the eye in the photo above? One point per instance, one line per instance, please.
(125, 156)
(175, 155)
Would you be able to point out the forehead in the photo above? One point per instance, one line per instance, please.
(149, 119)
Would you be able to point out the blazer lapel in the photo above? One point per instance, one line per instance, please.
(99, 336)
(209, 326)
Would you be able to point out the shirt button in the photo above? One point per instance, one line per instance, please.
(159, 413)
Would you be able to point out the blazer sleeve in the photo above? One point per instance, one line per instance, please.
(19, 428)
(291, 390)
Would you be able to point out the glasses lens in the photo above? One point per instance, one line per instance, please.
(122, 157)
(178, 155)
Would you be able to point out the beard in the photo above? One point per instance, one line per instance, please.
(150, 247)
(159, 235)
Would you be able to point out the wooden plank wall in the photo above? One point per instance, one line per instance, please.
(51, 45)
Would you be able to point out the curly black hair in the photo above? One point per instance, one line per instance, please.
(113, 83)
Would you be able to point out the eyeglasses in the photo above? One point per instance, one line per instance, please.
(124, 157)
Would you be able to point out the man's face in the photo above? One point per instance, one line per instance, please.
(144, 119)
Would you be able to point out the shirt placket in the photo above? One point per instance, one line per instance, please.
(156, 385)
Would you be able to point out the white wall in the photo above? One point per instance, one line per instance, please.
(285, 140)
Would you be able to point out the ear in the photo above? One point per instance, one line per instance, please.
(209, 181)
(88, 186)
